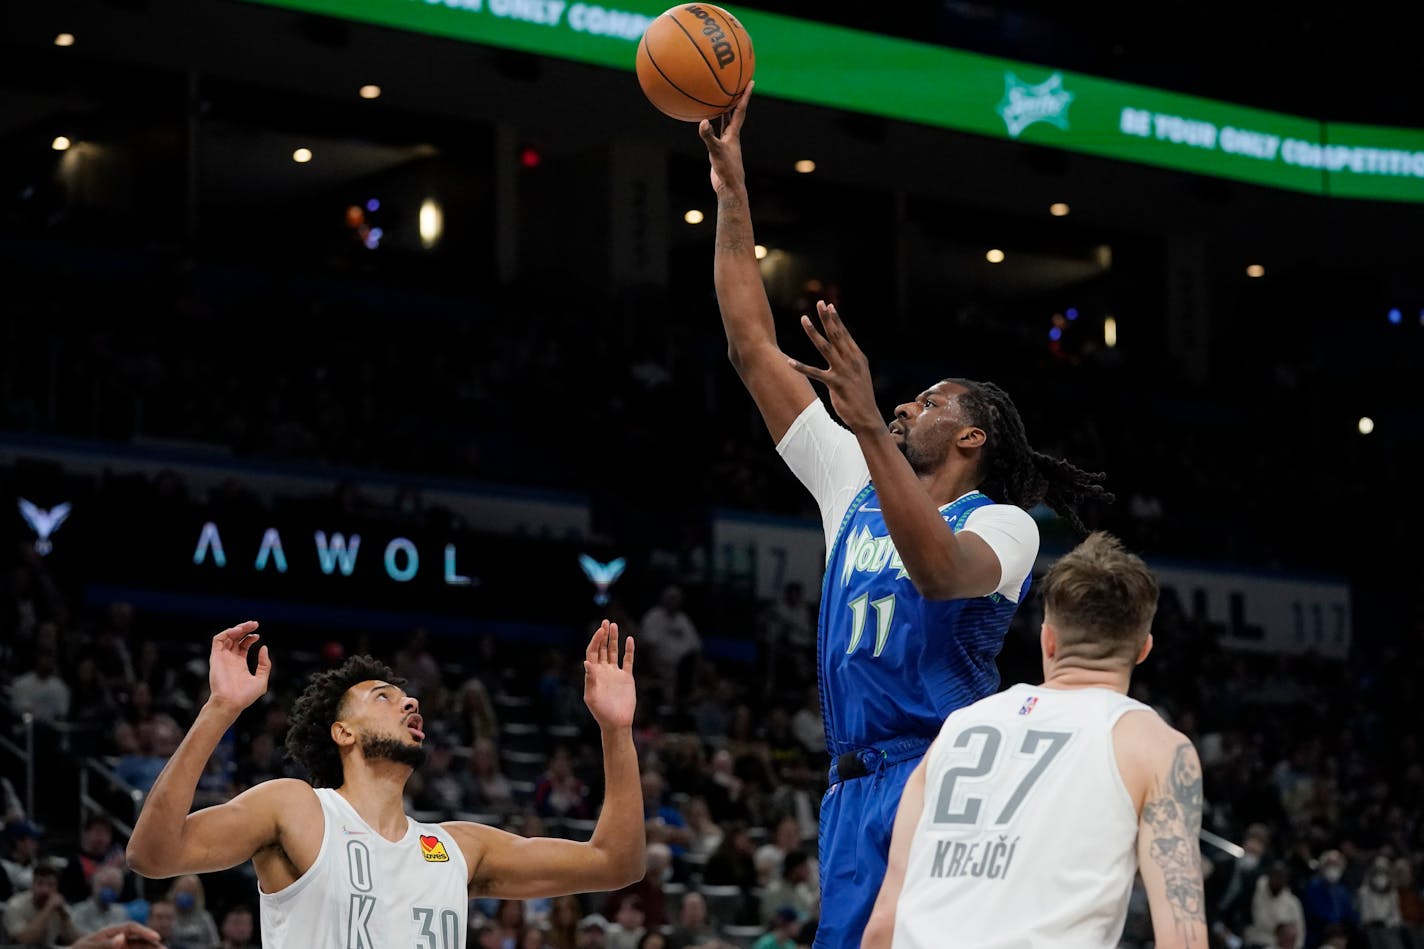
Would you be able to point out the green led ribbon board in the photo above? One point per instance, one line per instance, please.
(827, 65)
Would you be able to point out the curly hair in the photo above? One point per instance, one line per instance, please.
(309, 737)
(1013, 471)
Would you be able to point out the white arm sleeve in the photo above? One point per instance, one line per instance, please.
(825, 458)
(1013, 537)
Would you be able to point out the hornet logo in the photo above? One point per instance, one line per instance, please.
(43, 523)
(602, 575)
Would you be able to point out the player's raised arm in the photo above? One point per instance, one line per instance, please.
(880, 930)
(1168, 854)
(780, 393)
(512, 867)
(167, 841)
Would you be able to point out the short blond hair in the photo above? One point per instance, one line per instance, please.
(1100, 598)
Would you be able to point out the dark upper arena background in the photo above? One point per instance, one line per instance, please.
(207, 355)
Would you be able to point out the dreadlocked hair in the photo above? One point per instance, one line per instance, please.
(309, 740)
(1013, 471)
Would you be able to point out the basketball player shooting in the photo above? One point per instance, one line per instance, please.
(1031, 813)
(338, 861)
(929, 543)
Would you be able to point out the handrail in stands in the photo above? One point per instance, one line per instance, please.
(27, 755)
(89, 804)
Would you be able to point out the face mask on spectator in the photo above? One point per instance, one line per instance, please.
(1249, 861)
(186, 901)
(1332, 874)
(107, 894)
(1379, 881)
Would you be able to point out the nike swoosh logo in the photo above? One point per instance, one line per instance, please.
(867, 507)
(353, 833)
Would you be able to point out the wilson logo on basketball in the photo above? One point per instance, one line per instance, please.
(433, 850)
(721, 46)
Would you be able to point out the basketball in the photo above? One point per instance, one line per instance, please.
(694, 61)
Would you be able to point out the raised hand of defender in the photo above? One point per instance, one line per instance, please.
(231, 684)
(724, 149)
(847, 375)
(607, 686)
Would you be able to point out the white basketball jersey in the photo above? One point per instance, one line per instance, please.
(1028, 835)
(365, 892)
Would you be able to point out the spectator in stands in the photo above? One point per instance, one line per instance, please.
(561, 793)
(484, 786)
(144, 750)
(40, 691)
(508, 922)
(734, 865)
(162, 918)
(704, 836)
(794, 887)
(142, 712)
(111, 647)
(564, 915)
(25, 838)
(534, 937)
(807, 723)
(653, 939)
(788, 642)
(435, 786)
(782, 934)
(593, 932)
(237, 928)
(1327, 901)
(194, 927)
(416, 665)
(215, 785)
(627, 926)
(1378, 899)
(1411, 909)
(797, 795)
(712, 713)
(39, 916)
(1287, 936)
(1234, 904)
(725, 791)
(674, 648)
(1273, 905)
(91, 700)
(475, 718)
(97, 848)
(154, 672)
(693, 930)
(102, 907)
(664, 821)
(263, 762)
(648, 890)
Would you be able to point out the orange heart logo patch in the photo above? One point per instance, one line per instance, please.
(433, 850)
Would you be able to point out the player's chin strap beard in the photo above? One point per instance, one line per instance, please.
(381, 748)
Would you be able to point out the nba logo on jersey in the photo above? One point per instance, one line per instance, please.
(1028, 705)
(433, 850)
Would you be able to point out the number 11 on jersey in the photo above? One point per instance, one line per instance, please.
(884, 615)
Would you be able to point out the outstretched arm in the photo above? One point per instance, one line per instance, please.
(880, 930)
(168, 841)
(780, 393)
(513, 867)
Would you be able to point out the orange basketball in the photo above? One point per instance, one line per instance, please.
(694, 61)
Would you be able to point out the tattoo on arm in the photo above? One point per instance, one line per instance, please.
(1173, 814)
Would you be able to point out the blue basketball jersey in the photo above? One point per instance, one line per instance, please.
(893, 664)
